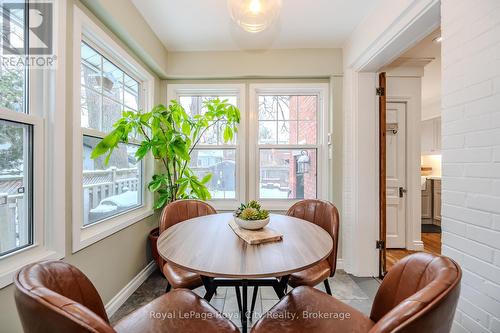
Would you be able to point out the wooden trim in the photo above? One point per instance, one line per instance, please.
(382, 174)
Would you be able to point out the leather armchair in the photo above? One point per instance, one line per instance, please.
(325, 215)
(419, 294)
(54, 296)
(173, 213)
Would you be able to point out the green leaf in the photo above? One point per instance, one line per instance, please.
(207, 178)
(228, 134)
(154, 186)
(162, 200)
(182, 188)
(186, 128)
(143, 150)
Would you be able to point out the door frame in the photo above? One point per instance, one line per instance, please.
(360, 205)
(382, 180)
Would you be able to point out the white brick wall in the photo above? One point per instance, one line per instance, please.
(471, 156)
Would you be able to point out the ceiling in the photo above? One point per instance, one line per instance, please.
(426, 48)
(202, 25)
(420, 54)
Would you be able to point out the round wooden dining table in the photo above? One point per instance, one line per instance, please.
(207, 245)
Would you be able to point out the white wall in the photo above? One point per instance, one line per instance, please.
(471, 157)
(431, 90)
(287, 63)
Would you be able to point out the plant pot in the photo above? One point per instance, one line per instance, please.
(251, 224)
(153, 241)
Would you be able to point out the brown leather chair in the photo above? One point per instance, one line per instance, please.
(54, 296)
(173, 213)
(325, 215)
(419, 294)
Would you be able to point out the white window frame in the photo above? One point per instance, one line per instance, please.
(47, 102)
(176, 90)
(84, 29)
(322, 178)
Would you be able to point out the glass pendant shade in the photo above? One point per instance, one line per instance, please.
(254, 15)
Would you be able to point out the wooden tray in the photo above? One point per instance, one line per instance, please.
(254, 237)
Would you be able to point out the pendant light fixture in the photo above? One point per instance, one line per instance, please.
(254, 15)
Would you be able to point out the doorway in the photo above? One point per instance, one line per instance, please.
(412, 163)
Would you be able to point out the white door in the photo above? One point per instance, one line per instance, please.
(396, 175)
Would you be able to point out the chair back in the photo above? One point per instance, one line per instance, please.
(323, 214)
(54, 296)
(418, 294)
(182, 210)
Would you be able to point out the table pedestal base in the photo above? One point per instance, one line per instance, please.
(211, 284)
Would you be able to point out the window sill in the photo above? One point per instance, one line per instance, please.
(11, 264)
(86, 236)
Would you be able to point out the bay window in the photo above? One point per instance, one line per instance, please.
(287, 150)
(107, 197)
(116, 187)
(288, 136)
(31, 121)
(212, 155)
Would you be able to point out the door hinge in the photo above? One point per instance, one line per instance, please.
(380, 244)
(380, 91)
(402, 191)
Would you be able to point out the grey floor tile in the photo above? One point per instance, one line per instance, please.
(364, 306)
(268, 304)
(268, 293)
(369, 285)
(358, 292)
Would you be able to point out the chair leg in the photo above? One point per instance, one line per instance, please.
(254, 299)
(238, 297)
(169, 286)
(327, 287)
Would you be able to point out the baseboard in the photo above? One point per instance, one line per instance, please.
(340, 263)
(417, 245)
(117, 301)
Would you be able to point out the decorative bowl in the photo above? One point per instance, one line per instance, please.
(251, 224)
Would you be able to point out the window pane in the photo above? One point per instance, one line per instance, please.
(294, 118)
(112, 81)
(15, 186)
(268, 132)
(131, 93)
(91, 67)
(287, 132)
(306, 106)
(194, 105)
(13, 88)
(112, 189)
(91, 108)
(287, 174)
(221, 163)
(106, 91)
(307, 132)
(268, 107)
(111, 112)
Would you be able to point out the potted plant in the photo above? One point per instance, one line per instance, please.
(170, 135)
(251, 216)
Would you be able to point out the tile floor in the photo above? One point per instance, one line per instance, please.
(358, 292)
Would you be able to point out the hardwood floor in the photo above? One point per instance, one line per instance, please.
(432, 244)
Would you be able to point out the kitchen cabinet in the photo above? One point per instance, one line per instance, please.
(427, 200)
(430, 131)
(437, 201)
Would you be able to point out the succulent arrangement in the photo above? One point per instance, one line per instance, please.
(252, 211)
